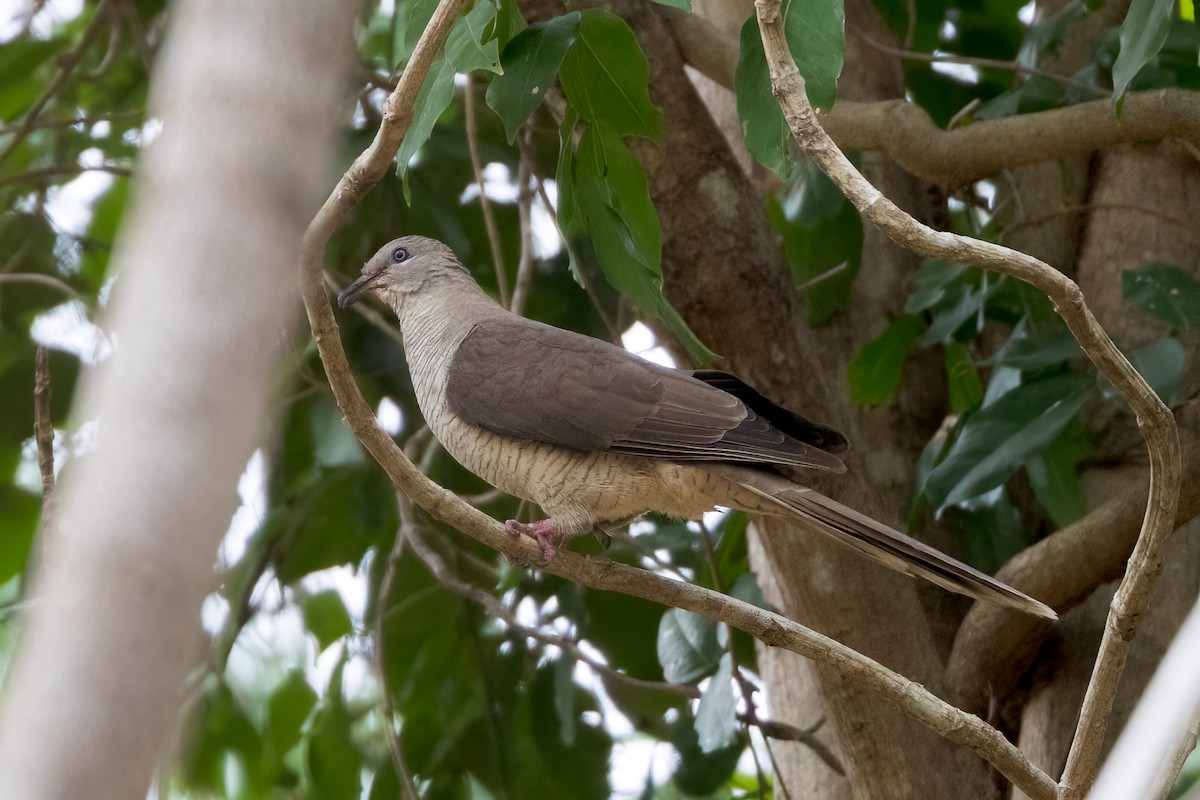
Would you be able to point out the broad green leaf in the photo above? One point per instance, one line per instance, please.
(333, 761)
(1054, 475)
(107, 213)
(1031, 348)
(933, 282)
(564, 699)
(764, 129)
(1142, 35)
(18, 524)
(606, 78)
(326, 617)
(417, 14)
(434, 98)
(609, 195)
(822, 238)
(531, 62)
(1168, 293)
(683, 5)
(716, 715)
(816, 35)
(335, 522)
(993, 443)
(964, 387)
(1161, 364)
(287, 709)
(968, 305)
(466, 49)
(688, 648)
(624, 628)
(697, 773)
(875, 372)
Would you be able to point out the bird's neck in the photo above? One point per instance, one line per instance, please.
(434, 322)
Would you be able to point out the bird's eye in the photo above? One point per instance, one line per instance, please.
(400, 254)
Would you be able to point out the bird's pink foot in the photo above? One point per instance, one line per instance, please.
(543, 532)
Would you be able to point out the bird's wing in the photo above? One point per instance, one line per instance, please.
(526, 380)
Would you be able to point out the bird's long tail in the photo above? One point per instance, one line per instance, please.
(783, 498)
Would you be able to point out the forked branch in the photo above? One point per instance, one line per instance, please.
(1154, 419)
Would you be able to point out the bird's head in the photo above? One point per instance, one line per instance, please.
(403, 267)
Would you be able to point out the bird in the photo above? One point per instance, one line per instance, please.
(597, 436)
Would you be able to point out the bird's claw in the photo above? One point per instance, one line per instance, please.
(543, 532)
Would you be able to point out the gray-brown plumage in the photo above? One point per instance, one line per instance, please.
(597, 436)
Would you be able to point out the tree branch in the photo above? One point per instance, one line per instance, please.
(772, 629)
(1155, 420)
(994, 647)
(951, 158)
(43, 434)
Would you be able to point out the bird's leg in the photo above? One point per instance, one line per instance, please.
(544, 532)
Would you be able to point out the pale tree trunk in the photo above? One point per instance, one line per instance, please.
(248, 95)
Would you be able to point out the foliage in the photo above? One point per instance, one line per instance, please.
(304, 646)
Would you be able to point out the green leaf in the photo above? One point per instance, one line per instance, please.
(1054, 475)
(687, 645)
(608, 196)
(697, 773)
(683, 5)
(816, 35)
(564, 699)
(1161, 364)
(606, 78)
(1031, 348)
(716, 715)
(326, 617)
(1166, 292)
(334, 763)
(822, 238)
(875, 372)
(964, 387)
(531, 62)
(764, 129)
(933, 283)
(336, 521)
(287, 709)
(466, 48)
(434, 98)
(18, 524)
(967, 305)
(1142, 35)
(993, 443)
(417, 14)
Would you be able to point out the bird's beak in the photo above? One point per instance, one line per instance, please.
(355, 291)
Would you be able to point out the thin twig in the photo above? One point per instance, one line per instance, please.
(67, 65)
(985, 63)
(614, 331)
(43, 434)
(42, 280)
(489, 219)
(403, 536)
(570, 647)
(1154, 419)
(55, 172)
(525, 264)
(71, 121)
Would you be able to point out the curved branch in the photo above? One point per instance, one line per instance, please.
(1155, 420)
(949, 159)
(994, 647)
(772, 629)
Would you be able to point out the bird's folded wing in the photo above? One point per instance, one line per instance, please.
(526, 380)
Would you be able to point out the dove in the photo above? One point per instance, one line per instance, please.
(597, 436)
